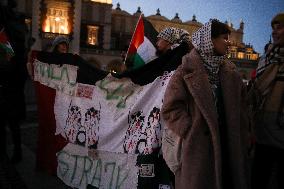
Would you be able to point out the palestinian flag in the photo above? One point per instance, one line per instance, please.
(5, 44)
(142, 46)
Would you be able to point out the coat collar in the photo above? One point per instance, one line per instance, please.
(198, 84)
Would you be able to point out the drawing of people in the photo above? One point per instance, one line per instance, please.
(73, 122)
(134, 133)
(92, 118)
(153, 131)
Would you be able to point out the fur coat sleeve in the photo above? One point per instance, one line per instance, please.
(175, 106)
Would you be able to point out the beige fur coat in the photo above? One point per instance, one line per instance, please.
(189, 111)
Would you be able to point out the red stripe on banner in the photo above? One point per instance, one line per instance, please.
(48, 144)
(138, 37)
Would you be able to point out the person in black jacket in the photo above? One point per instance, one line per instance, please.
(172, 44)
(13, 75)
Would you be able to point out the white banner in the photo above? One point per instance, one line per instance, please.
(62, 78)
(119, 120)
(79, 168)
(115, 115)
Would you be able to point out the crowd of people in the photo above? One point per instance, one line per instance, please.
(218, 118)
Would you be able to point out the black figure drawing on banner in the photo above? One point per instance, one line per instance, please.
(153, 131)
(92, 119)
(73, 122)
(82, 130)
(134, 132)
(142, 139)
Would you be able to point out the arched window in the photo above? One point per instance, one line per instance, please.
(57, 18)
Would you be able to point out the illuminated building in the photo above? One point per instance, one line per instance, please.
(99, 32)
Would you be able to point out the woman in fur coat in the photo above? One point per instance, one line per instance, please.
(205, 106)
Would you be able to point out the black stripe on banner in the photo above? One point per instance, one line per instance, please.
(87, 74)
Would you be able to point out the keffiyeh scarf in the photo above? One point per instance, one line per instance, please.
(202, 41)
(275, 55)
(175, 36)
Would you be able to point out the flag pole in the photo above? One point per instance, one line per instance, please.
(140, 17)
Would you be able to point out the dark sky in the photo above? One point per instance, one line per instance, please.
(256, 14)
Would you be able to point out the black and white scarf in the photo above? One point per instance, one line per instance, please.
(175, 36)
(274, 55)
(202, 41)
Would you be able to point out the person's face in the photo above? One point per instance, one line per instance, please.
(221, 44)
(62, 48)
(278, 34)
(162, 46)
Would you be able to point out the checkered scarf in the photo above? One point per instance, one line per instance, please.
(273, 56)
(202, 41)
(175, 36)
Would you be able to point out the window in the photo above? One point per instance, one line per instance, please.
(241, 55)
(103, 1)
(248, 56)
(232, 52)
(57, 18)
(254, 56)
(56, 21)
(92, 35)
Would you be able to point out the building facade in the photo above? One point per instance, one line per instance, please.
(100, 32)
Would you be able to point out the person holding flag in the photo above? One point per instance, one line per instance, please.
(170, 38)
(141, 49)
(154, 53)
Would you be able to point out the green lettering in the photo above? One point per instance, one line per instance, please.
(96, 180)
(122, 102)
(118, 185)
(87, 168)
(64, 71)
(113, 168)
(112, 95)
(63, 166)
(75, 168)
(44, 70)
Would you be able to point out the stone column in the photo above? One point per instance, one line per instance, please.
(107, 27)
(36, 25)
(75, 43)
